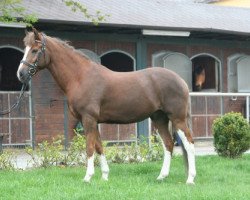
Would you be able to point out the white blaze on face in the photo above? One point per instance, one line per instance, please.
(24, 58)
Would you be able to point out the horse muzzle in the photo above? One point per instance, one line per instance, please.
(198, 87)
(23, 75)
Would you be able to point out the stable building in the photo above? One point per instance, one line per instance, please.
(136, 34)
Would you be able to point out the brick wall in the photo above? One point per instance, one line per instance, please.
(48, 99)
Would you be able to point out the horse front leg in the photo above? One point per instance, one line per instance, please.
(91, 135)
(93, 141)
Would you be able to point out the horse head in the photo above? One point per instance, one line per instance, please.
(199, 78)
(35, 56)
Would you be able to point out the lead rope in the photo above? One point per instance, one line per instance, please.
(15, 105)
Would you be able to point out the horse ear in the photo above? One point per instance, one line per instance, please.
(36, 33)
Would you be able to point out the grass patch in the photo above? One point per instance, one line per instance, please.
(217, 178)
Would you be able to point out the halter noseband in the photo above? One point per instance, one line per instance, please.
(33, 67)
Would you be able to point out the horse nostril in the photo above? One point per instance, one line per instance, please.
(21, 74)
(198, 87)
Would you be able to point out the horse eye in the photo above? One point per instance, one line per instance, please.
(34, 51)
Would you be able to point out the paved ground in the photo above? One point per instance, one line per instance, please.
(23, 161)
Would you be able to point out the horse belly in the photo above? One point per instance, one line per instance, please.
(126, 110)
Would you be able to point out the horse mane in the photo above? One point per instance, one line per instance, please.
(29, 40)
(66, 44)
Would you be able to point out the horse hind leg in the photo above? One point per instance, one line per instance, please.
(188, 144)
(103, 160)
(160, 121)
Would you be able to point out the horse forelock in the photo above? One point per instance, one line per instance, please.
(29, 39)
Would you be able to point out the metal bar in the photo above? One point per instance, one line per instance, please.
(17, 144)
(19, 118)
(9, 119)
(30, 118)
(118, 132)
(206, 117)
(66, 126)
(13, 92)
(247, 108)
(219, 94)
(1, 145)
(120, 141)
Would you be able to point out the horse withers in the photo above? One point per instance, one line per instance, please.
(98, 95)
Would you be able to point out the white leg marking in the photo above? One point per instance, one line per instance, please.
(27, 48)
(191, 157)
(166, 163)
(104, 167)
(90, 169)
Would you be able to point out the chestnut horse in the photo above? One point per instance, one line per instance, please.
(98, 95)
(199, 77)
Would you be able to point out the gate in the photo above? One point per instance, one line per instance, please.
(17, 125)
(205, 107)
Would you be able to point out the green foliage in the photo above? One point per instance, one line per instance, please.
(231, 135)
(136, 152)
(51, 154)
(6, 159)
(76, 152)
(47, 154)
(79, 7)
(11, 9)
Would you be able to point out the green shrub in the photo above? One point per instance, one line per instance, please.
(136, 152)
(6, 159)
(231, 135)
(47, 154)
(52, 154)
(76, 152)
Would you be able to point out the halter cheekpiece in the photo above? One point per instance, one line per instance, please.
(33, 66)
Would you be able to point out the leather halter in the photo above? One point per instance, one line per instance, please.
(33, 66)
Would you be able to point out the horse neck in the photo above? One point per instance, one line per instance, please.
(65, 65)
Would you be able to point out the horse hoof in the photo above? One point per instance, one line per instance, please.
(161, 177)
(87, 179)
(105, 177)
(190, 183)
